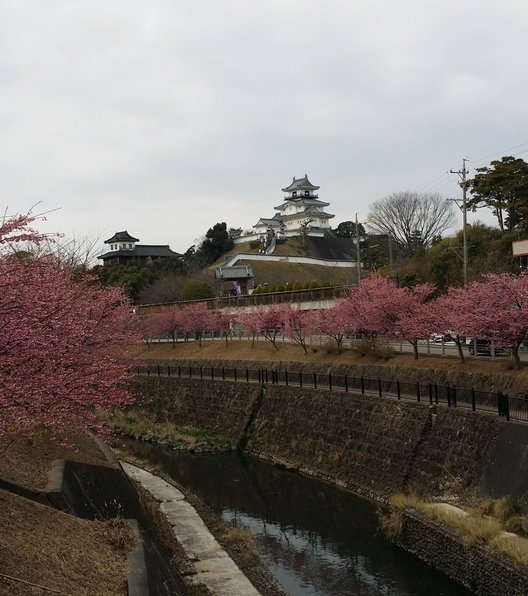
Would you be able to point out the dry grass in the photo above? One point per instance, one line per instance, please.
(140, 422)
(374, 350)
(240, 349)
(19, 463)
(56, 550)
(474, 526)
(278, 272)
(237, 534)
(510, 548)
(391, 524)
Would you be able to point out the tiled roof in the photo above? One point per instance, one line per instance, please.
(300, 184)
(307, 213)
(235, 272)
(268, 222)
(121, 237)
(142, 251)
(302, 201)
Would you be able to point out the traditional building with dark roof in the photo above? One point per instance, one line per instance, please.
(123, 249)
(234, 280)
(301, 207)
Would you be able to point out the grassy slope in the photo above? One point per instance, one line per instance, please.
(263, 350)
(282, 273)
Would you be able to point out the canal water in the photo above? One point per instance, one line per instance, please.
(315, 539)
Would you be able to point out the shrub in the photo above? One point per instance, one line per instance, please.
(505, 508)
(254, 244)
(475, 527)
(391, 524)
(373, 349)
(196, 289)
(517, 525)
(329, 347)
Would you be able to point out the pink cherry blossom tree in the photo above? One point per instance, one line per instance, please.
(168, 323)
(221, 322)
(335, 323)
(62, 340)
(413, 314)
(452, 312)
(380, 305)
(499, 310)
(195, 319)
(298, 324)
(266, 321)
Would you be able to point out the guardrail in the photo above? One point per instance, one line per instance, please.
(264, 298)
(511, 408)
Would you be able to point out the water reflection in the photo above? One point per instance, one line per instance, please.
(317, 540)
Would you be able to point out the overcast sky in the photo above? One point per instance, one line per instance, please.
(164, 117)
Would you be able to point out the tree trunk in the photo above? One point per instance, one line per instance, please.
(458, 342)
(515, 355)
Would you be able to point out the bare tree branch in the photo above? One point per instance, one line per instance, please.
(410, 217)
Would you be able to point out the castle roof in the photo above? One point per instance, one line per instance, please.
(310, 211)
(308, 201)
(300, 184)
(142, 251)
(121, 237)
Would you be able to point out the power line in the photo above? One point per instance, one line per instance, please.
(502, 152)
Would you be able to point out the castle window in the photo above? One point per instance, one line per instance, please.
(306, 193)
(294, 193)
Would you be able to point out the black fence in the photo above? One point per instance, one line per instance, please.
(511, 408)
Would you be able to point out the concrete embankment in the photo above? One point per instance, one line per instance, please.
(212, 565)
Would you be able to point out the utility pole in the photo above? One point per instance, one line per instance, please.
(358, 255)
(462, 175)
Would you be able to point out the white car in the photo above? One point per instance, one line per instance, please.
(441, 338)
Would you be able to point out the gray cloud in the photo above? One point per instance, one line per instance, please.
(164, 117)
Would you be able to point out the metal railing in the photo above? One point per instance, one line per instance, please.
(264, 298)
(511, 408)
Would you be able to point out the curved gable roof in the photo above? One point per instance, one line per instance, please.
(122, 237)
(300, 184)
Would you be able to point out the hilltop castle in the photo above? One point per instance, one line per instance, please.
(300, 210)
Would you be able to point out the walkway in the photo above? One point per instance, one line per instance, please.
(212, 564)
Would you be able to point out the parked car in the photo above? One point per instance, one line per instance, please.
(483, 347)
(441, 338)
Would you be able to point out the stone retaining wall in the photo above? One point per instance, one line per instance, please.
(372, 446)
(223, 407)
(479, 569)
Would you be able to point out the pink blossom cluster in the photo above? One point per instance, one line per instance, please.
(62, 339)
(494, 308)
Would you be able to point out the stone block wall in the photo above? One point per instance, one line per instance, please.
(479, 569)
(454, 452)
(223, 407)
(373, 447)
(364, 444)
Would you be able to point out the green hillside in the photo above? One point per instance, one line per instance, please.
(281, 272)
